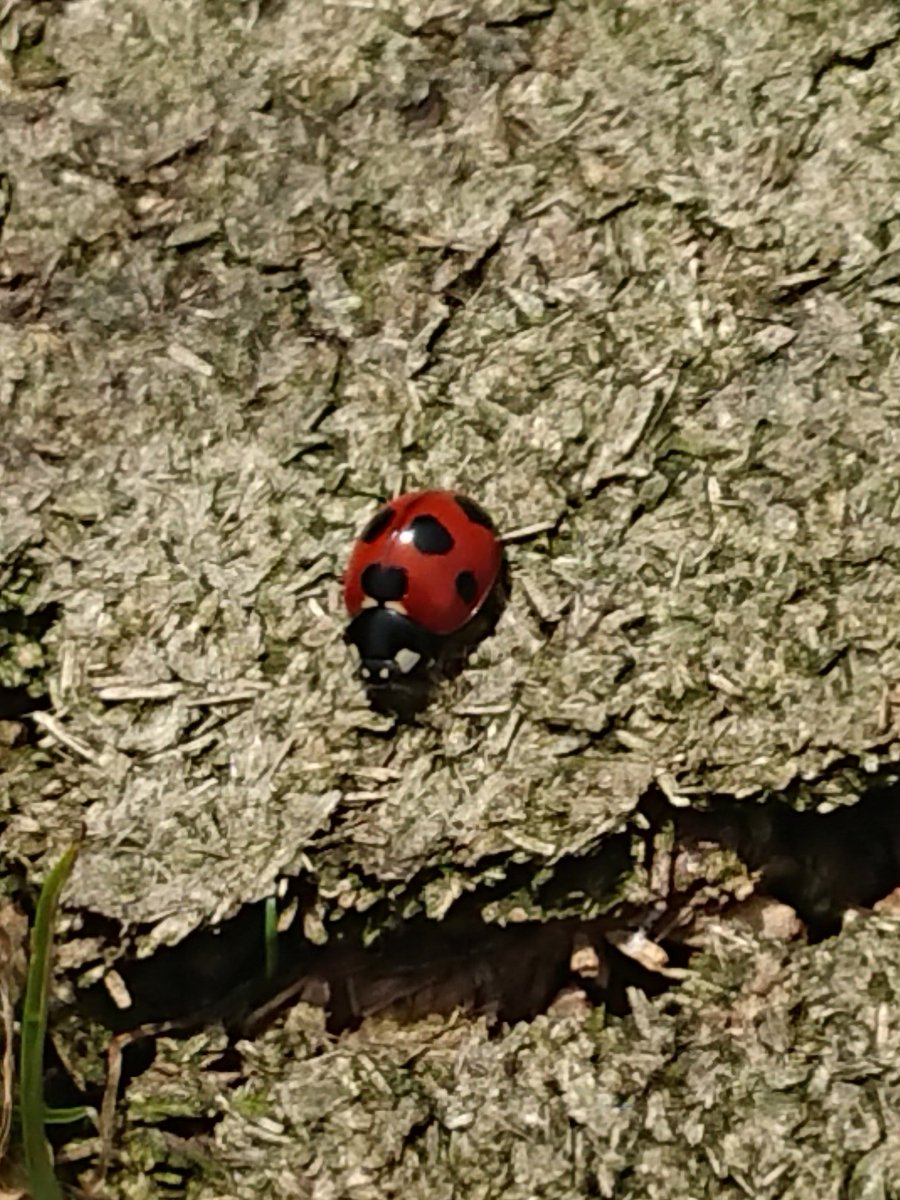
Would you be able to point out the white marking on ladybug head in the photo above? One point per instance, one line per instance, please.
(406, 659)
(396, 605)
(366, 673)
(384, 673)
(369, 602)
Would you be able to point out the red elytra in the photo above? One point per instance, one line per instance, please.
(433, 555)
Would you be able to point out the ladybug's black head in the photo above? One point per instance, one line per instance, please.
(396, 657)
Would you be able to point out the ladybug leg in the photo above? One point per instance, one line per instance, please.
(403, 699)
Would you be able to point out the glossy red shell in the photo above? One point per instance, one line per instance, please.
(435, 553)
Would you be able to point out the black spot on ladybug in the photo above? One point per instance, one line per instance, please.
(475, 512)
(377, 525)
(466, 586)
(384, 583)
(430, 536)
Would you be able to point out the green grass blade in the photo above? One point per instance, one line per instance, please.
(270, 935)
(56, 1116)
(65, 1116)
(42, 1179)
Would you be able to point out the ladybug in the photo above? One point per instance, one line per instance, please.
(427, 579)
